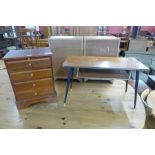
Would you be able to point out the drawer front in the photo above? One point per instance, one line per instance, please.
(35, 85)
(29, 64)
(30, 75)
(33, 94)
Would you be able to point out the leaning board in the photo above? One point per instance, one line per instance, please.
(63, 46)
(101, 46)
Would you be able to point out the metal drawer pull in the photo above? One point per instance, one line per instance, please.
(29, 64)
(34, 84)
(35, 93)
(31, 74)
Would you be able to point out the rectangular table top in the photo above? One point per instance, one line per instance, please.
(95, 62)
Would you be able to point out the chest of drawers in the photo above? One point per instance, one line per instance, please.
(31, 75)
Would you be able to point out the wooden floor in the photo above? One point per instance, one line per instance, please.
(93, 104)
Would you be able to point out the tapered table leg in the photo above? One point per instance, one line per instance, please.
(136, 87)
(72, 73)
(127, 81)
(126, 87)
(69, 77)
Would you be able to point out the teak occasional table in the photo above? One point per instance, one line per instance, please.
(116, 65)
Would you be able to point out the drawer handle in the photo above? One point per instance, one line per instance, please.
(31, 74)
(29, 64)
(34, 84)
(35, 93)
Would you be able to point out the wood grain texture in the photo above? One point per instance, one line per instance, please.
(92, 105)
(35, 84)
(31, 76)
(94, 62)
(25, 53)
(19, 65)
(33, 93)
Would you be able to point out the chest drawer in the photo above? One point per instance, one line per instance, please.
(33, 94)
(30, 75)
(28, 64)
(35, 85)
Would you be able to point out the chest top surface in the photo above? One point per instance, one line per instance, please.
(24, 53)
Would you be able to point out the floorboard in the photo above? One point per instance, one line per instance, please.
(91, 105)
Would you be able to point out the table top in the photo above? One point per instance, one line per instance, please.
(22, 53)
(95, 62)
(151, 101)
